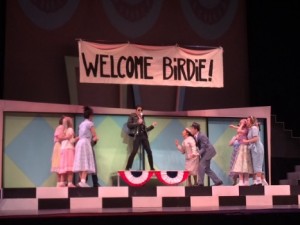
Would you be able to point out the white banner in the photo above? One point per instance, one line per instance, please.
(150, 65)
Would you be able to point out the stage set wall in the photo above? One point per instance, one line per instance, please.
(27, 139)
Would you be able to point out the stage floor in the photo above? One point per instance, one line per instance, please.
(158, 205)
(237, 214)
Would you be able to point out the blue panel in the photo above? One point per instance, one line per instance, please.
(31, 150)
(166, 155)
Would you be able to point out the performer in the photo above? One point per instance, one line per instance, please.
(84, 161)
(242, 163)
(189, 148)
(256, 147)
(68, 152)
(207, 152)
(138, 129)
(59, 136)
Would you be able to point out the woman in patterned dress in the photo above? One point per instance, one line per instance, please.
(84, 162)
(242, 165)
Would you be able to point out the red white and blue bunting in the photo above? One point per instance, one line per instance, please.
(172, 177)
(136, 178)
(140, 177)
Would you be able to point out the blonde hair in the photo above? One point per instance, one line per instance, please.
(68, 122)
(254, 121)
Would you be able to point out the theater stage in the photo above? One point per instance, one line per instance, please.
(208, 215)
(160, 204)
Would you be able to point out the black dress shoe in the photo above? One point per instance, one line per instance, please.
(218, 184)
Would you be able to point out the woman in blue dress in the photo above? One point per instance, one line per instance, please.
(84, 162)
(256, 147)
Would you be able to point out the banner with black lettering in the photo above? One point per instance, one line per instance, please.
(150, 65)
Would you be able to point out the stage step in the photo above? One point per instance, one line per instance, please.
(297, 168)
(284, 182)
(47, 198)
(293, 178)
(290, 182)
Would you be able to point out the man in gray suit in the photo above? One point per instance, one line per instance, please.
(207, 152)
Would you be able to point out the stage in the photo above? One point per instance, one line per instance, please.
(211, 215)
(160, 204)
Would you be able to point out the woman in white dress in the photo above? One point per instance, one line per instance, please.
(242, 165)
(189, 148)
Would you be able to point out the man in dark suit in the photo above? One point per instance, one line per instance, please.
(207, 152)
(139, 130)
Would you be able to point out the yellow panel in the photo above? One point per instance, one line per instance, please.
(13, 176)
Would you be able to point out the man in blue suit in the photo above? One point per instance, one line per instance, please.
(207, 152)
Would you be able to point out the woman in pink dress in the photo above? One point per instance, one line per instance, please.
(68, 152)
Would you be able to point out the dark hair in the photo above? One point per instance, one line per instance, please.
(87, 112)
(138, 106)
(196, 126)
